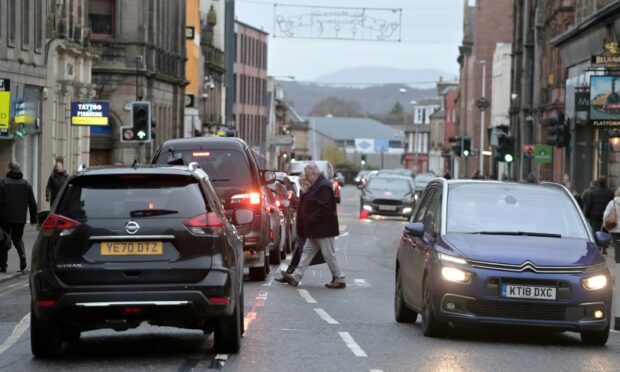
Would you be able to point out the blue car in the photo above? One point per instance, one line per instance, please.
(493, 253)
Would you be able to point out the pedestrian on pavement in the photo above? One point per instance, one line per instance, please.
(597, 202)
(320, 227)
(300, 241)
(447, 175)
(613, 207)
(16, 198)
(476, 176)
(55, 182)
(585, 195)
(569, 185)
(531, 178)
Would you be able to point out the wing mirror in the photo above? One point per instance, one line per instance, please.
(268, 177)
(243, 216)
(415, 229)
(602, 239)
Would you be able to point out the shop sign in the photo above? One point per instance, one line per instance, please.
(88, 113)
(605, 101)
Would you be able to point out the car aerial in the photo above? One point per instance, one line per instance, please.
(122, 246)
(421, 180)
(388, 196)
(325, 166)
(494, 253)
(238, 181)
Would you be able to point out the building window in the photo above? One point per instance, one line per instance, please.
(12, 22)
(25, 24)
(101, 18)
(38, 25)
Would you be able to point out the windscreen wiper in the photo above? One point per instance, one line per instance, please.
(518, 233)
(151, 212)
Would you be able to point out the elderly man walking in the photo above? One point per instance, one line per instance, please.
(320, 226)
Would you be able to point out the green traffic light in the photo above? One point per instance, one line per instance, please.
(466, 152)
(508, 158)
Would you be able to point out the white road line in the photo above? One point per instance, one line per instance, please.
(352, 345)
(307, 296)
(361, 283)
(343, 227)
(376, 370)
(342, 235)
(325, 316)
(268, 284)
(18, 331)
(262, 295)
(13, 289)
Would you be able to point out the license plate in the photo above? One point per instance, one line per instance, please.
(526, 291)
(387, 208)
(132, 248)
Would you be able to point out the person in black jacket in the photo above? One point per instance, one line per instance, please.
(320, 227)
(55, 182)
(597, 202)
(16, 198)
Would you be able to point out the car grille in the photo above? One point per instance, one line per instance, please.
(527, 266)
(387, 202)
(516, 310)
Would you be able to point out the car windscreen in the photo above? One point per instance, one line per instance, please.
(224, 167)
(512, 208)
(127, 196)
(395, 185)
(423, 179)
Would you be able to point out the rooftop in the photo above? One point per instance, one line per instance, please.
(352, 128)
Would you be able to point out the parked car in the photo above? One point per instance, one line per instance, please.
(388, 196)
(340, 178)
(238, 181)
(120, 247)
(491, 253)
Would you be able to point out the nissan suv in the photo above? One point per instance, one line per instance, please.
(126, 245)
(238, 181)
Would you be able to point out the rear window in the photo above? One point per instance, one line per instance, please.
(125, 196)
(224, 167)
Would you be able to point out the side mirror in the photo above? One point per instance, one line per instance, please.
(415, 229)
(602, 239)
(243, 216)
(268, 176)
(41, 216)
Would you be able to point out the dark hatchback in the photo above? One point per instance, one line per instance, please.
(502, 254)
(238, 181)
(122, 246)
(388, 196)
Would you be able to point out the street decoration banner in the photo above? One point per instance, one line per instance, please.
(543, 154)
(87, 113)
(605, 101)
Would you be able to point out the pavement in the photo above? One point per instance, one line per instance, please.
(12, 272)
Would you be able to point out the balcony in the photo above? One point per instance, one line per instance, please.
(214, 59)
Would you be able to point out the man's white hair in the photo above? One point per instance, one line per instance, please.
(312, 168)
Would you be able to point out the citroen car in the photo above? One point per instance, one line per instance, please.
(490, 253)
(127, 245)
(388, 196)
(238, 181)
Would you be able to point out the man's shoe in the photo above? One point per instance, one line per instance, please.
(2, 269)
(22, 264)
(291, 280)
(280, 280)
(336, 285)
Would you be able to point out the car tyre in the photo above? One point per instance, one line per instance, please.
(431, 327)
(45, 341)
(275, 256)
(259, 274)
(596, 338)
(402, 312)
(228, 332)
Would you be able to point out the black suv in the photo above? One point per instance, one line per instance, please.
(238, 181)
(124, 245)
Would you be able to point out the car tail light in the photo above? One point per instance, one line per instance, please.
(278, 203)
(249, 199)
(271, 235)
(224, 300)
(132, 310)
(45, 304)
(55, 222)
(206, 223)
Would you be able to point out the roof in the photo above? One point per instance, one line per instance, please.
(108, 170)
(438, 114)
(250, 26)
(351, 128)
(199, 143)
(429, 101)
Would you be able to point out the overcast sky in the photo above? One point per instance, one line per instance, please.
(431, 33)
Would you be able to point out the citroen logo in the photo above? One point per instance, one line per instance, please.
(131, 227)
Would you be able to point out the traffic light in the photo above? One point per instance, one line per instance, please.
(363, 161)
(141, 121)
(466, 146)
(558, 132)
(506, 148)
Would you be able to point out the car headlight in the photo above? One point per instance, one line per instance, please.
(594, 282)
(406, 210)
(415, 196)
(452, 259)
(452, 274)
(368, 208)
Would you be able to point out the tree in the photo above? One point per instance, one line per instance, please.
(397, 110)
(333, 154)
(337, 107)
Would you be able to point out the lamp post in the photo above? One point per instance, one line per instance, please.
(483, 104)
(415, 135)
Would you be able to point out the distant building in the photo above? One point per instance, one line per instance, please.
(250, 106)
(355, 138)
(438, 126)
(212, 44)
(418, 135)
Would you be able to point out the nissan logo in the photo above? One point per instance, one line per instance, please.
(132, 227)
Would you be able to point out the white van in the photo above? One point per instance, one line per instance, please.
(296, 168)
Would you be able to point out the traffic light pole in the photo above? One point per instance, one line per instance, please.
(484, 75)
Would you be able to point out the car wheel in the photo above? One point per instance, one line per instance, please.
(274, 257)
(259, 273)
(402, 312)
(598, 338)
(228, 332)
(45, 339)
(431, 327)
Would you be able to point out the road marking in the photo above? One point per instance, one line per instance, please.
(352, 345)
(22, 285)
(18, 331)
(342, 235)
(325, 316)
(307, 296)
(343, 227)
(268, 284)
(250, 316)
(361, 283)
(376, 370)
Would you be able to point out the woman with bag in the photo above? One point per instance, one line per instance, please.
(611, 218)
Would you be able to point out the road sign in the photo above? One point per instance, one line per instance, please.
(482, 104)
(543, 154)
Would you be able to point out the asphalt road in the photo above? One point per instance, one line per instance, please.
(311, 328)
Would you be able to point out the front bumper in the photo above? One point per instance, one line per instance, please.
(480, 303)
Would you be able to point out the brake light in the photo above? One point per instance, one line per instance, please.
(271, 235)
(252, 198)
(219, 300)
(132, 310)
(45, 304)
(206, 223)
(278, 204)
(57, 222)
(201, 154)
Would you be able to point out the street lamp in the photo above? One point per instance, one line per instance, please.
(614, 140)
(483, 103)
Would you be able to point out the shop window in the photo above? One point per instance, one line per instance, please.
(101, 18)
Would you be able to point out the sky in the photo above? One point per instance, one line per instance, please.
(431, 34)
